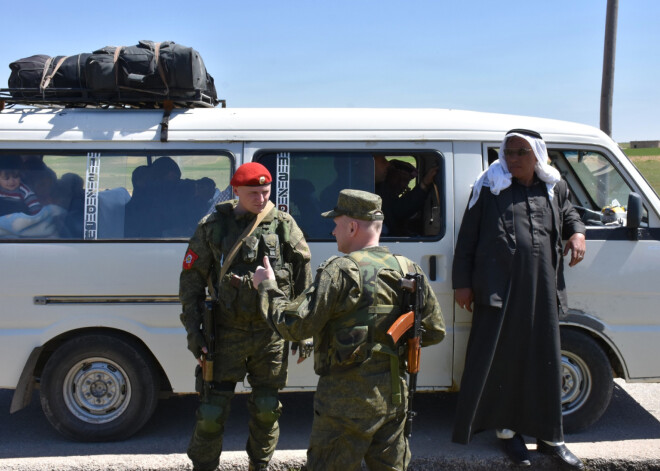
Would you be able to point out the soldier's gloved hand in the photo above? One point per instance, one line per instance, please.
(305, 348)
(196, 343)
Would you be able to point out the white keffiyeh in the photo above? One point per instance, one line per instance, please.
(497, 176)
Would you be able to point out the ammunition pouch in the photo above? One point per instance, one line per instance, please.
(351, 346)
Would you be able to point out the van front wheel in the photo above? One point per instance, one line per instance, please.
(586, 380)
(99, 388)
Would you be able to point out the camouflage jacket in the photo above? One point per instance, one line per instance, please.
(325, 309)
(277, 236)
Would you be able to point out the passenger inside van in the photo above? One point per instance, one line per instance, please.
(163, 204)
(349, 173)
(71, 196)
(402, 206)
(43, 181)
(151, 209)
(304, 203)
(15, 195)
(22, 214)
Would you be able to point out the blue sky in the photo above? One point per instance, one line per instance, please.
(528, 57)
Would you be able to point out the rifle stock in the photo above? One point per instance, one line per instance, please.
(209, 332)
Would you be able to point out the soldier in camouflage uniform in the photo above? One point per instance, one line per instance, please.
(244, 344)
(360, 400)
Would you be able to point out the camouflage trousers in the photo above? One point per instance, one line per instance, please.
(340, 443)
(262, 356)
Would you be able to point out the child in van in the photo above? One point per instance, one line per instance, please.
(15, 196)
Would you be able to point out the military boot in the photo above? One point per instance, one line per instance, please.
(258, 467)
(198, 467)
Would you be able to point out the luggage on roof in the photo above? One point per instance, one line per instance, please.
(144, 75)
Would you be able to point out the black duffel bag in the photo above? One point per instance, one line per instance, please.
(27, 73)
(184, 69)
(69, 72)
(42, 75)
(100, 70)
(166, 69)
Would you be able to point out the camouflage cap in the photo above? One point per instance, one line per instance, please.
(357, 204)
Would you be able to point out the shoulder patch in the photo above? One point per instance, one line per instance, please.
(189, 259)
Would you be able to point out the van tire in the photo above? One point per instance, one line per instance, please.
(586, 380)
(99, 387)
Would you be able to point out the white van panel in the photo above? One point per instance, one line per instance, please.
(92, 269)
(629, 305)
(437, 252)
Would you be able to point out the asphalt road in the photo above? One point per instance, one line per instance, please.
(626, 437)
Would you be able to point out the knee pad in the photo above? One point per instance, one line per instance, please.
(267, 408)
(211, 415)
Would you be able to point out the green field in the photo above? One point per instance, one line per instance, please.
(651, 171)
(653, 151)
(648, 162)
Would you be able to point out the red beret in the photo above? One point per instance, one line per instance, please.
(251, 174)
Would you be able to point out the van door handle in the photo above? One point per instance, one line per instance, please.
(432, 270)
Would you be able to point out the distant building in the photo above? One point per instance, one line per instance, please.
(644, 144)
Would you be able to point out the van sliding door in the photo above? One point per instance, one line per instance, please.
(307, 178)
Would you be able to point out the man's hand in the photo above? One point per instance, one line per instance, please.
(464, 298)
(197, 343)
(204, 353)
(306, 348)
(428, 178)
(263, 273)
(577, 245)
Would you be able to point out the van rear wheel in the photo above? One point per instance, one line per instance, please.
(99, 388)
(586, 380)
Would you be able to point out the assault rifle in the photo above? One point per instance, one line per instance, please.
(209, 333)
(411, 322)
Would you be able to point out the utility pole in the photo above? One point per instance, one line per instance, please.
(607, 88)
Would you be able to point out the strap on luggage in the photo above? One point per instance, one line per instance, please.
(159, 65)
(47, 77)
(115, 58)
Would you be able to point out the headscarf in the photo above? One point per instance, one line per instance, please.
(497, 176)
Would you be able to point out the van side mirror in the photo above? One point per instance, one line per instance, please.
(634, 215)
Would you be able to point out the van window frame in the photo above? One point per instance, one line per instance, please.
(594, 232)
(439, 180)
(147, 153)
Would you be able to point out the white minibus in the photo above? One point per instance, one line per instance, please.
(89, 283)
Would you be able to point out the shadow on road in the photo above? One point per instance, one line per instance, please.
(624, 419)
(28, 433)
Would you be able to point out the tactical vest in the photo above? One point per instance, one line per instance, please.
(356, 337)
(237, 298)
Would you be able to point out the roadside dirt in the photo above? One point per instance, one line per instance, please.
(637, 158)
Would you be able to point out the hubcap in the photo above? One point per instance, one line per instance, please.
(97, 390)
(575, 382)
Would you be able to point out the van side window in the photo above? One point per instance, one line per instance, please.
(599, 191)
(306, 183)
(103, 196)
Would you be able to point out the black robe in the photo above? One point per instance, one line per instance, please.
(512, 376)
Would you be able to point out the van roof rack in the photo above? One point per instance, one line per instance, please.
(84, 98)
